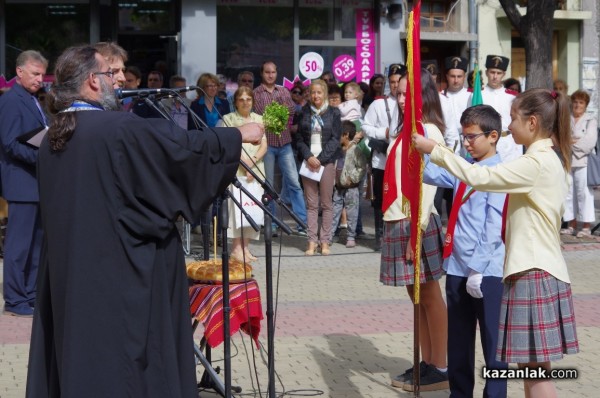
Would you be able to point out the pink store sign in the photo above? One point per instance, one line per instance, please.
(365, 44)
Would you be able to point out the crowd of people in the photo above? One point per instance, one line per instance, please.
(505, 168)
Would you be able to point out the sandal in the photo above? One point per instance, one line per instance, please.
(567, 231)
(310, 251)
(250, 256)
(325, 249)
(584, 233)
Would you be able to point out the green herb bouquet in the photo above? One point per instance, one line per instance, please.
(275, 118)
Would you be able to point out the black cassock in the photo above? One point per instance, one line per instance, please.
(112, 313)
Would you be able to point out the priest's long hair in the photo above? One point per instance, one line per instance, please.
(73, 67)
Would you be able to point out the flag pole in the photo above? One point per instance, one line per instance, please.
(410, 184)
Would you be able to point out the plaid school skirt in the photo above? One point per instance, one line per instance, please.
(395, 270)
(537, 320)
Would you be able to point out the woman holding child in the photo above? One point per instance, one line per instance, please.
(318, 142)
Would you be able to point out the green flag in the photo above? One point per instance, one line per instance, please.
(476, 99)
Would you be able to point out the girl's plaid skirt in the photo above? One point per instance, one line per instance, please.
(537, 320)
(395, 270)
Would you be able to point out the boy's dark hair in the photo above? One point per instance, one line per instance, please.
(483, 116)
(349, 128)
(334, 89)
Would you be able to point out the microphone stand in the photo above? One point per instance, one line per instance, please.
(269, 195)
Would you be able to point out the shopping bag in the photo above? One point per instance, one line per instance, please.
(253, 210)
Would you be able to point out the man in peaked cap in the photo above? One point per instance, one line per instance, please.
(500, 98)
(381, 115)
(431, 66)
(454, 99)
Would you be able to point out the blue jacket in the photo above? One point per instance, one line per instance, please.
(200, 109)
(18, 115)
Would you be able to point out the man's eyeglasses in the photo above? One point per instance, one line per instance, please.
(472, 137)
(247, 81)
(297, 92)
(109, 73)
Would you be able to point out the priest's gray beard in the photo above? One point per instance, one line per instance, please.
(108, 99)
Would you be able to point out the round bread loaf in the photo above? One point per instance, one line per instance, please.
(211, 270)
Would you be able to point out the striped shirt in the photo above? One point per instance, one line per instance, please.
(280, 94)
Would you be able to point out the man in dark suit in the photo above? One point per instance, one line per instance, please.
(20, 112)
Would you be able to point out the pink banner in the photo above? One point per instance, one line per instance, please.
(365, 45)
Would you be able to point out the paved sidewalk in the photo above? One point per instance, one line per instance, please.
(340, 333)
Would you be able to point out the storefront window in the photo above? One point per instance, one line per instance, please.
(247, 36)
(147, 15)
(316, 22)
(47, 28)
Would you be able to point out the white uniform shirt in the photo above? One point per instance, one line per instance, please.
(376, 122)
(501, 100)
(394, 212)
(453, 106)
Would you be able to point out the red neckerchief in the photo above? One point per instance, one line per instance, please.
(459, 199)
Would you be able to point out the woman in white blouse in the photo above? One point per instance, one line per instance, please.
(579, 203)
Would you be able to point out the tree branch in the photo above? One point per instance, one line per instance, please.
(510, 8)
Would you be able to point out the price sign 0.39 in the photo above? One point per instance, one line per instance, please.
(311, 65)
(343, 68)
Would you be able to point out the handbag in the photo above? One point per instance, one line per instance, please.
(593, 166)
(248, 204)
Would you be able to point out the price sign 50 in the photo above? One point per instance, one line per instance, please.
(311, 65)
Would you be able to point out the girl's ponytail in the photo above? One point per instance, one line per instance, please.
(554, 114)
(562, 127)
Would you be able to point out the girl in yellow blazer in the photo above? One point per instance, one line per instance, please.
(537, 320)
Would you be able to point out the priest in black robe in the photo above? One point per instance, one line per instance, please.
(112, 314)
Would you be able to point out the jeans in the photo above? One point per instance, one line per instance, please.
(285, 159)
(348, 198)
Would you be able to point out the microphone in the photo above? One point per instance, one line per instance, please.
(145, 92)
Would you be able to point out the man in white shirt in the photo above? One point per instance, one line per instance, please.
(382, 114)
(454, 99)
(500, 98)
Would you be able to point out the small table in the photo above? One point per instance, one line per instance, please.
(206, 306)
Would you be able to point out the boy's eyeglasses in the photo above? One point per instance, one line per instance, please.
(472, 137)
(296, 92)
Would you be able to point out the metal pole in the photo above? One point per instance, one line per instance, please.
(473, 44)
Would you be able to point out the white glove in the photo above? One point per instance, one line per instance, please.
(474, 284)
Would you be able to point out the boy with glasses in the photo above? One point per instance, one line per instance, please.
(473, 258)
